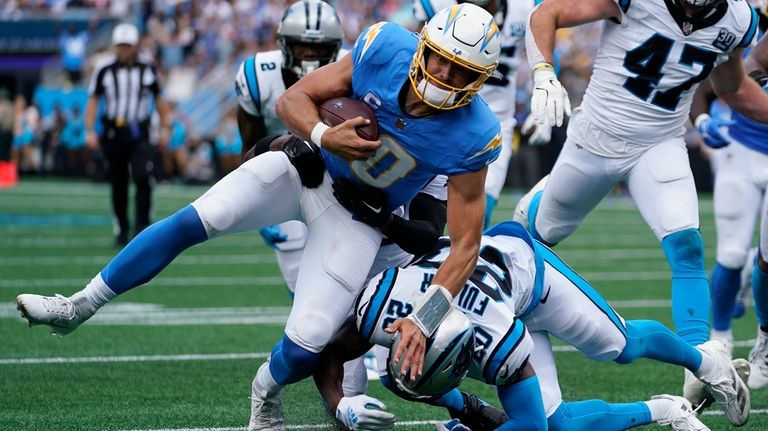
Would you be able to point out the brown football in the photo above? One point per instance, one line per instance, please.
(340, 109)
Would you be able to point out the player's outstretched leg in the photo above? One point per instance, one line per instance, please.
(524, 405)
(592, 415)
(709, 362)
(143, 258)
(758, 357)
(690, 290)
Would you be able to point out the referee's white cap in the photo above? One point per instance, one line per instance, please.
(126, 34)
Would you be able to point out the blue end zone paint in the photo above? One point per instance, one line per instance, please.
(54, 220)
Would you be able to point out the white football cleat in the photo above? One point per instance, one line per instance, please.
(62, 314)
(725, 385)
(266, 411)
(680, 416)
(521, 209)
(758, 359)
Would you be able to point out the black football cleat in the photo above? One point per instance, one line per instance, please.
(479, 416)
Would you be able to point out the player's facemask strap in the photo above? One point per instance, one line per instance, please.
(433, 91)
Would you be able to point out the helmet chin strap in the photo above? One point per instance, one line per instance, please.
(436, 95)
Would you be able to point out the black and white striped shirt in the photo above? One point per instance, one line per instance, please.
(126, 90)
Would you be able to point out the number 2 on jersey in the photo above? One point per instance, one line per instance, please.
(390, 163)
(647, 61)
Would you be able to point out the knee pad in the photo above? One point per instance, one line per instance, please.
(290, 362)
(732, 257)
(685, 253)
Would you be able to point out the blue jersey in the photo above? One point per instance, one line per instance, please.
(413, 150)
(750, 133)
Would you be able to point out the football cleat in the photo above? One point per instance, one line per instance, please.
(725, 385)
(758, 359)
(266, 411)
(479, 416)
(62, 314)
(521, 209)
(680, 415)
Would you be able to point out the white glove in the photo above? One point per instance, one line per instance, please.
(538, 134)
(549, 102)
(364, 413)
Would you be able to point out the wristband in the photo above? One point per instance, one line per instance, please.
(543, 66)
(430, 311)
(317, 133)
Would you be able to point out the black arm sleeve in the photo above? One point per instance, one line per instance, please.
(419, 234)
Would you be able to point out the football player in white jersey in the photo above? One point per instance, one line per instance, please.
(498, 91)
(741, 194)
(520, 294)
(309, 37)
(630, 125)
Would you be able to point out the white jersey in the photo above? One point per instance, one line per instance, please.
(259, 83)
(648, 67)
(511, 17)
(493, 300)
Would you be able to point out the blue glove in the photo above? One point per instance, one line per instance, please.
(272, 235)
(711, 129)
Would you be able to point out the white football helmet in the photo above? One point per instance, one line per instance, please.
(466, 35)
(446, 362)
(311, 22)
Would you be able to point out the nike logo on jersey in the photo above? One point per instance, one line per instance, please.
(546, 295)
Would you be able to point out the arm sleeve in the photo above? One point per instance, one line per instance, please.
(150, 80)
(419, 234)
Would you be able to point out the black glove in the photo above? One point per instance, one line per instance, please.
(305, 157)
(369, 205)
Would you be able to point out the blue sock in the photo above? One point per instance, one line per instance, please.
(690, 289)
(760, 292)
(725, 287)
(490, 205)
(452, 401)
(290, 363)
(650, 339)
(153, 249)
(523, 404)
(594, 415)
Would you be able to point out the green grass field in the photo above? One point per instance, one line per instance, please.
(180, 352)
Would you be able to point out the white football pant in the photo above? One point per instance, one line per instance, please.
(659, 180)
(741, 181)
(497, 171)
(266, 190)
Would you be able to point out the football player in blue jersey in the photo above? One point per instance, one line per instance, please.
(520, 295)
(421, 89)
(741, 194)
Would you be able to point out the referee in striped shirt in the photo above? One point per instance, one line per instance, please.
(126, 84)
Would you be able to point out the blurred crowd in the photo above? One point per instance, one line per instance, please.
(188, 39)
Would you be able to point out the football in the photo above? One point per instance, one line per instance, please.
(340, 109)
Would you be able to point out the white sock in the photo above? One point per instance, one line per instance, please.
(264, 383)
(98, 293)
(707, 365)
(659, 408)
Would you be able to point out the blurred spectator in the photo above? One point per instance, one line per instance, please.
(6, 125)
(72, 139)
(229, 145)
(25, 152)
(73, 46)
(200, 162)
(175, 154)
